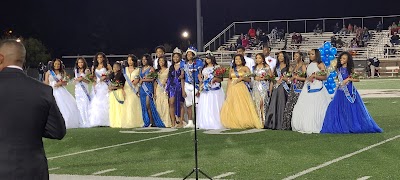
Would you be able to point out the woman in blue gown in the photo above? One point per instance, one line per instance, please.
(347, 113)
(150, 115)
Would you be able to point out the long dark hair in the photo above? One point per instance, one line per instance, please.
(148, 58)
(85, 66)
(241, 57)
(301, 55)
(96, 63)
(262, 57)
(317, 56)
(172, 67)
(62, 71)
(213, 61)
(134, 59)
(285, 58)
(158, 63)
(350, 62)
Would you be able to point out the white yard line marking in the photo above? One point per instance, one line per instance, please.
(364, 178)
(162, 173)
(51, 169)
(339, 159)
(224, 175)
(116, 145)
(104, 171)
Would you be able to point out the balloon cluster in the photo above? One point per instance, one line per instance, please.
(328, 54)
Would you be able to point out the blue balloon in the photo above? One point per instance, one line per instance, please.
(321, 50)
(326, 84)
(333, 51)
(331, 91)
(331, 57)
(334, 74)
(332, 85)
(327, 51)
(326, 63)
(322, 57)
(327, 45)
(330, 79)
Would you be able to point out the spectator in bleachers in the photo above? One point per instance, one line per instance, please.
(281, 34)
(350, 28)
(274, 34)
(336, 28)
(317, 30)
(239, 41)
(264, 38)
(258, 32)
(252, 32)
(343, 31)
(294, 38)
(333, 41)
(339, 43)
(245, 42)
(395, 39)
(379, 27)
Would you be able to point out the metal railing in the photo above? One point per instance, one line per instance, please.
(297, 25)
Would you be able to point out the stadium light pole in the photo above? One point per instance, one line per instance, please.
(199, 26)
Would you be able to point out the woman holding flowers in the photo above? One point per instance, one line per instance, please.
(238, 110)
(297, 82)
(261, 86)
(280, 91)
(58, 79)
(132, 112)
(309, 111)
(212, 95)
(160, 91)
(147, 75)
(347, 112)
(117, 96)
(82, 96)
(99, 106)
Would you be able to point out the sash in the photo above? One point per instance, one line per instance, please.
(295, 87)
(99, 76)
(309, 90)
(207, 84)
(144, 86)
(129, 81)
(350, 98)
(189, 75)
(82, 86)
(159, 83)
(285, 86)
(53, 74)
(115, 96)
(245, 83)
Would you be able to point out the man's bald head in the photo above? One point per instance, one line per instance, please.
(11, 53)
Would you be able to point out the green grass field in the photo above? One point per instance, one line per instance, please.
(262, 155)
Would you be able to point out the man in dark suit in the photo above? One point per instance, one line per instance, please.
(28, 112)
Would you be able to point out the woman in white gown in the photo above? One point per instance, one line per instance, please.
(211, 98)
(99, 106)
(56, 78)
(309, 111)
(82, 95)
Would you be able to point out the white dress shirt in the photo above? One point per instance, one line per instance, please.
(155, 64)
(15, 67)
(271, 62)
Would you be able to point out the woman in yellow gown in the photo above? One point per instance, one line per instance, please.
(238, 111)
(132, 111)
(160, 93)
(116, 97)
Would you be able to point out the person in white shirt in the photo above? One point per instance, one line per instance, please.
(160, 52)
(249, 61)
(270, 60)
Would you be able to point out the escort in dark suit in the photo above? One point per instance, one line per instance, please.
(28, 112)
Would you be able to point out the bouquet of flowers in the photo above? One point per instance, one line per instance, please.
(248, 75)
(301, 74)
(354, 76)
(89, 77)
(151, 75)
(219, 71)
(116, 83)
(66, 78)
(287, 74)
(321, 73)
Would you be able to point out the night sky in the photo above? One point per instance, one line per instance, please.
(70, 27)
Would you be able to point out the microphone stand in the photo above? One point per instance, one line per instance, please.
(196, 169)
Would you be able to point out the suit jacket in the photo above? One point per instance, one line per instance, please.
(28, 112)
